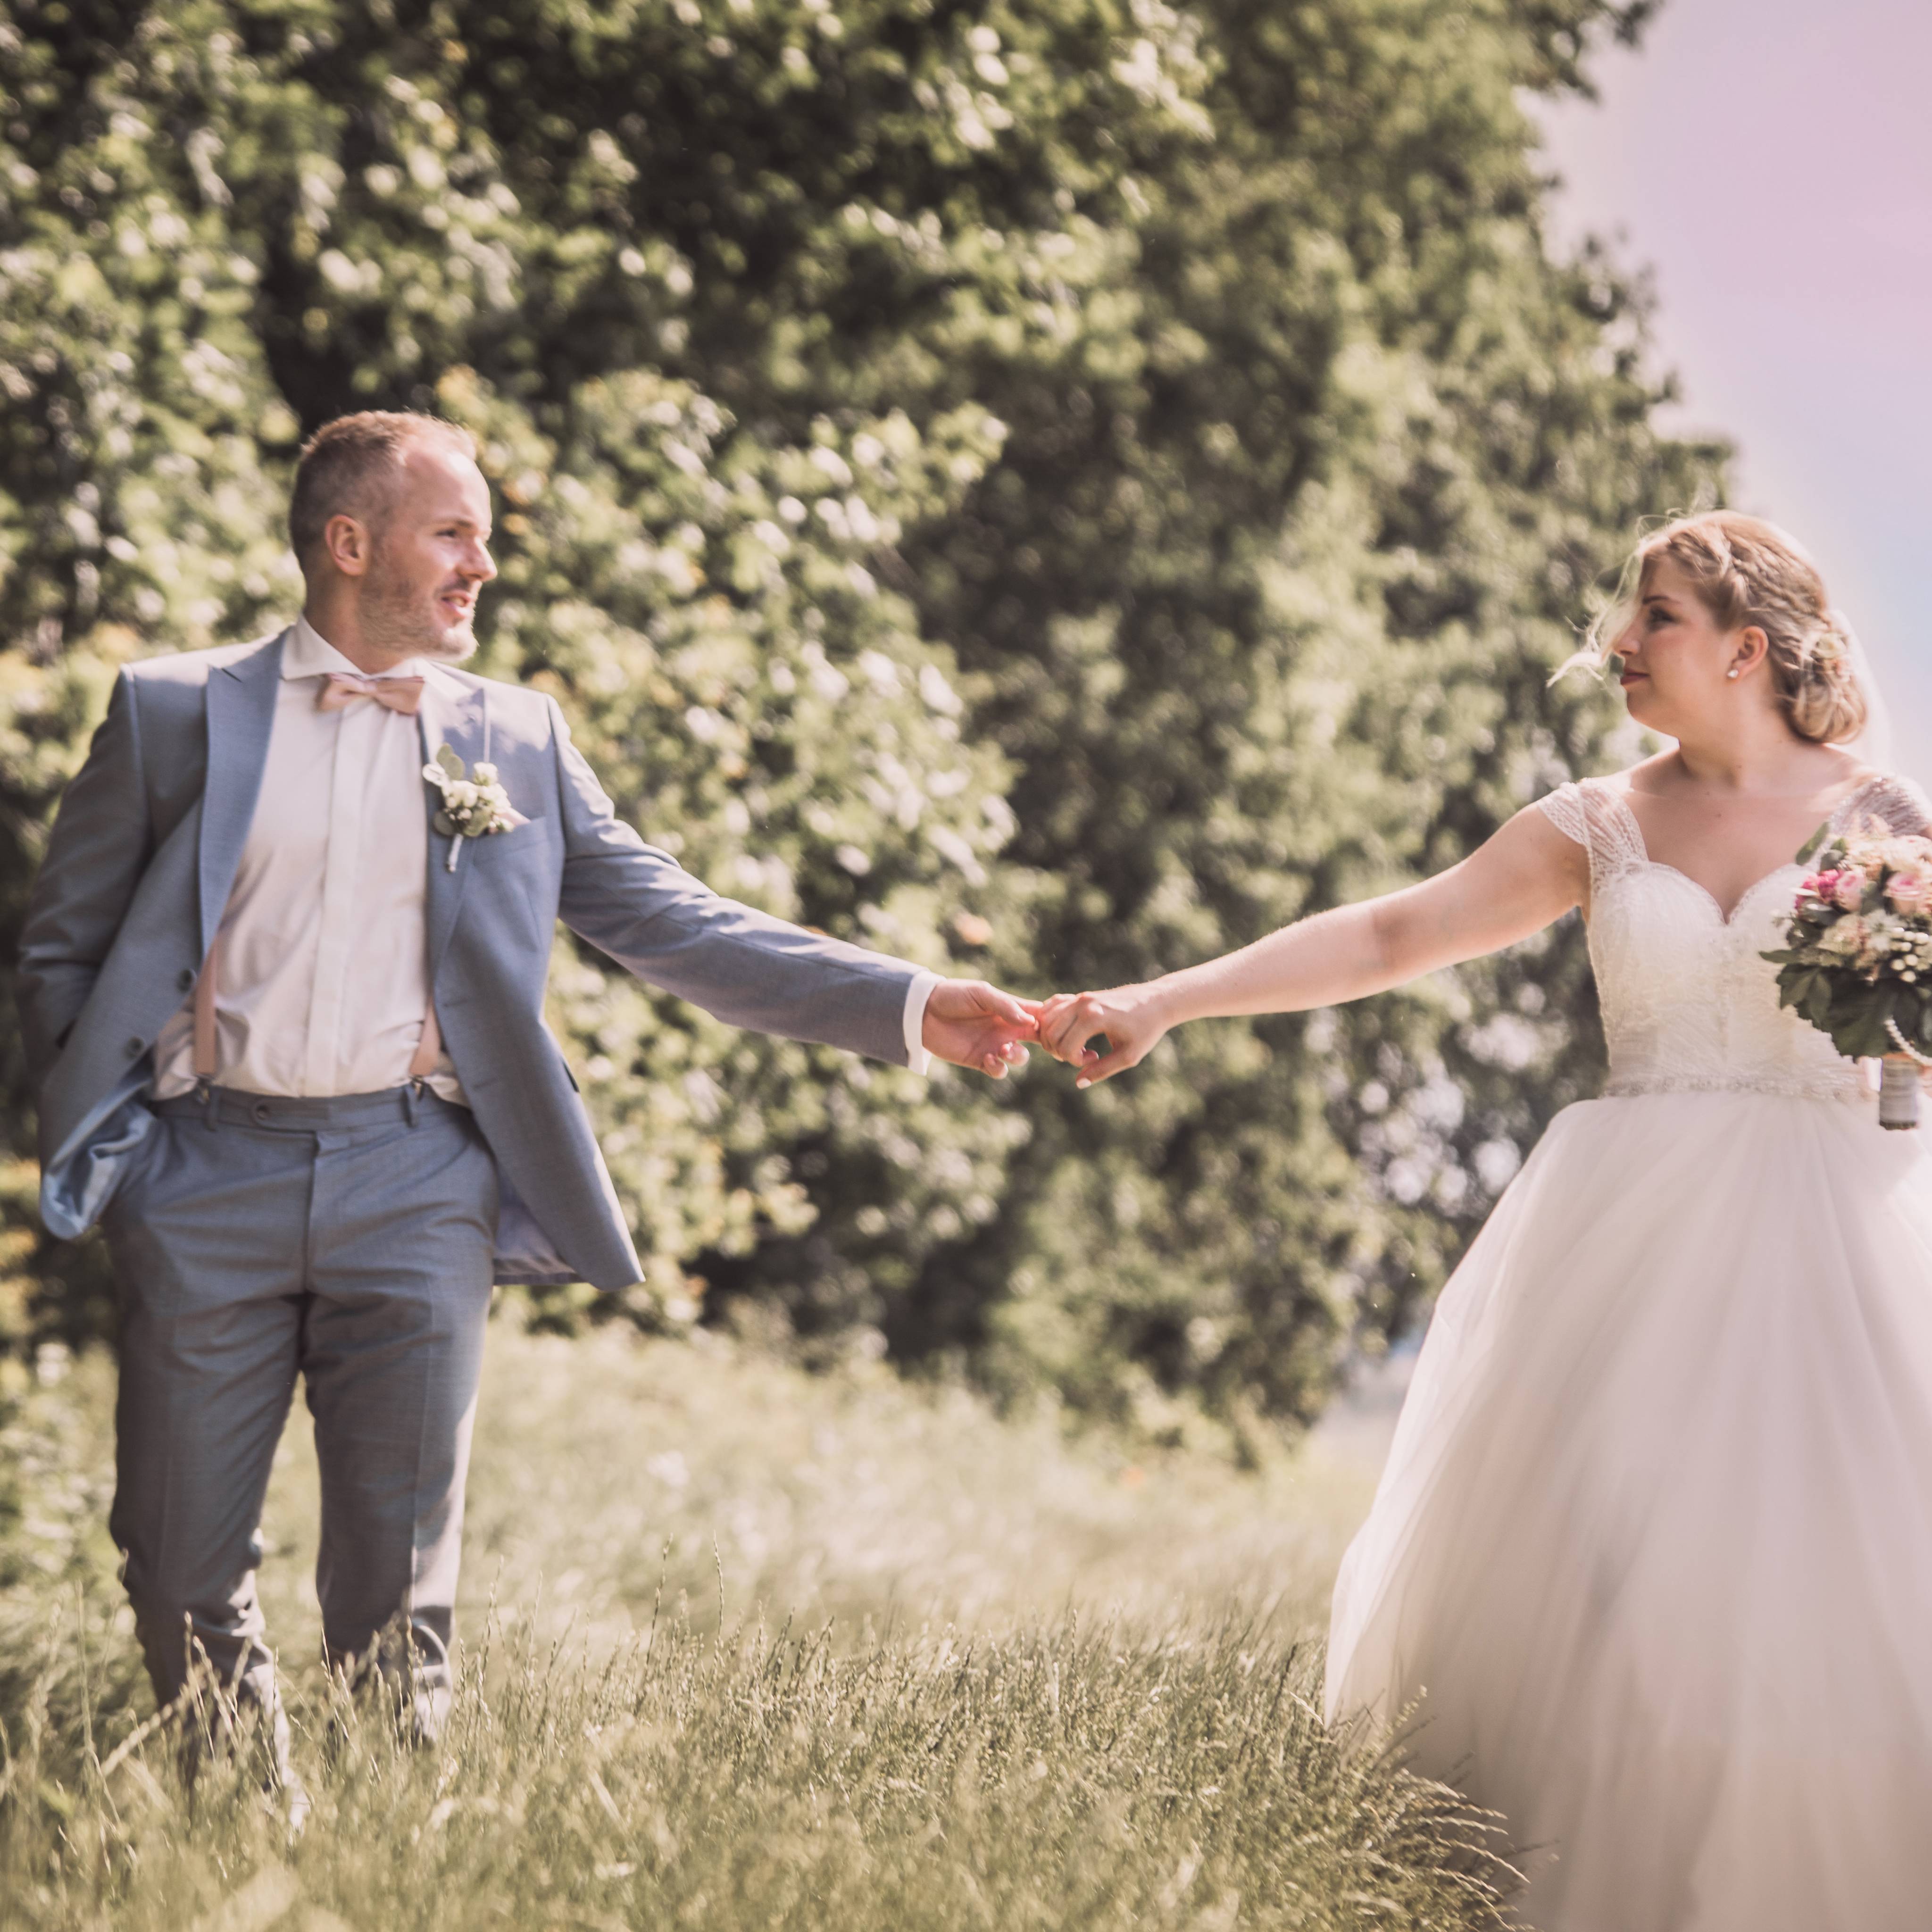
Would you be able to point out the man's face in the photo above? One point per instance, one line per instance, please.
(429, 556)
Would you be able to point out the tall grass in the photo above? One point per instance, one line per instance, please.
(1025, 1684)
(1047, 1777)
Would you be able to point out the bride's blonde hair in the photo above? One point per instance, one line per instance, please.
(1747, 571)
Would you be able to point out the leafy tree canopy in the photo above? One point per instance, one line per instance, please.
(1053, 488)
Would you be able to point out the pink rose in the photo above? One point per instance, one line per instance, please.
(1814, 894)
(1909, 888)
(1848, 890)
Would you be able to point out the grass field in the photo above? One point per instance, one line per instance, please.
(747, 1648)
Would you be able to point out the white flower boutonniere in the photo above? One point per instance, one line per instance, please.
(474, 802)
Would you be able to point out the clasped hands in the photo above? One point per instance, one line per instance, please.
(970, 1023)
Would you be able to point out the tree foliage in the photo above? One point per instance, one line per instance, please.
(1052, 488)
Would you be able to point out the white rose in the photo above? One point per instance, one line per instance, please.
(1845, 939)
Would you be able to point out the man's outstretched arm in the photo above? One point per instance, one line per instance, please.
(637, 905)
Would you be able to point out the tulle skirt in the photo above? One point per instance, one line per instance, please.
(1654, 1546)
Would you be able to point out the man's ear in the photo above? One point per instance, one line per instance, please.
(346, 542)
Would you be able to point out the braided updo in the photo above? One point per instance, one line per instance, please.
(1746, 572)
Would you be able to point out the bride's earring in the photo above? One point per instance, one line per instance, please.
(1732, 672)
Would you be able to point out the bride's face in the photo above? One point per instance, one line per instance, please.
(1675, 657)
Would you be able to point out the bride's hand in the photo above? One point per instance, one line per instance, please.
(1133, 1019)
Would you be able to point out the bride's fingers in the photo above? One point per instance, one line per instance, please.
(1054, 1029)
(1070, 1030)
(1057, 1034)
(1104, 1066)
(1072, 1045)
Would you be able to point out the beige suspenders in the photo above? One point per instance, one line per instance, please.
(422, 1062)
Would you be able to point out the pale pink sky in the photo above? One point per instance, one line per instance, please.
(1771, 160)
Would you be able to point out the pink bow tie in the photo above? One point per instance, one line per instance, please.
(397, 693)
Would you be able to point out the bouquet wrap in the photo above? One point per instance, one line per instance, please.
(1898, 1092)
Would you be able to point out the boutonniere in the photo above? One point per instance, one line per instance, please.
(474, 802)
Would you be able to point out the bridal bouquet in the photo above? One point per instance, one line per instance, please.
(1857, 957)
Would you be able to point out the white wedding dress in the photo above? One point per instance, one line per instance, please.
(1654, 1546)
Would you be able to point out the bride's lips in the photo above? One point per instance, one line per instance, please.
(1630, 677)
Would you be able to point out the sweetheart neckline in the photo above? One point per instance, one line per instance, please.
(1725, 918)
(1728, 919)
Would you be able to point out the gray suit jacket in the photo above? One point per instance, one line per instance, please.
(138, 872)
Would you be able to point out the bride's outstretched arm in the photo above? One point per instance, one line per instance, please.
(1515, 883)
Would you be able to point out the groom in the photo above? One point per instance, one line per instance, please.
(287, 1029)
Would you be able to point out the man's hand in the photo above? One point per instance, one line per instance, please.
(970, 1023)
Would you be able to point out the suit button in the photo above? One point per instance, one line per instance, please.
(136, 1047)
(260, 1110)
(185, 978)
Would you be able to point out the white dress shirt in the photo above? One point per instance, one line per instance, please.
(322, 987)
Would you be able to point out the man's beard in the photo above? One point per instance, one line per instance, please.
(396, 617)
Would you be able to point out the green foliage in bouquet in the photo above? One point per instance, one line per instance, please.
(1054, 488)
(1857, 957)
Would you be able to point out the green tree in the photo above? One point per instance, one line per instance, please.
(1051, 488)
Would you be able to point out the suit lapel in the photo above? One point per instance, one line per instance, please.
(452, 714)
(241, 709)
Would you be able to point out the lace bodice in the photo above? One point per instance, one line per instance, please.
(1687, 1001)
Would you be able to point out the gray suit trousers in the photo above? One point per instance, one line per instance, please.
(348, 1240)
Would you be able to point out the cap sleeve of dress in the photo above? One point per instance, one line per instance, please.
(1564, 809)
(1594, 814)
(1896, 803)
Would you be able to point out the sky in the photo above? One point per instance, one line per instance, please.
(1769, 162)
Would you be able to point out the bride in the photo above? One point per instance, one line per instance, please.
(1651, 1563)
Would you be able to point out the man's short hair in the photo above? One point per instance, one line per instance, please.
(349, 462)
